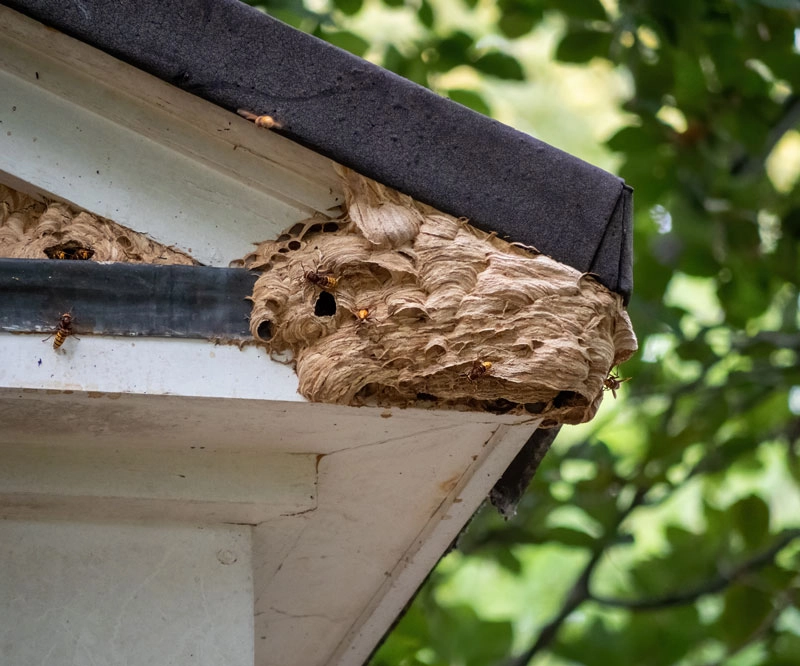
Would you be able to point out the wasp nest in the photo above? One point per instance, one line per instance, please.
(400, 304)
(33, 230)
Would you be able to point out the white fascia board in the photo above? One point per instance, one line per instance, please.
(80, 126)
(145, 366)
(348, 508)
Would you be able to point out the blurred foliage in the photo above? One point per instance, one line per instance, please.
(668, 530)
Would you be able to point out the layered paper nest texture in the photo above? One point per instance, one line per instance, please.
(394, 304)
(400, 304)
(30, 229)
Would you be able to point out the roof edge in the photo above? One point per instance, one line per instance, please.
(371, 120)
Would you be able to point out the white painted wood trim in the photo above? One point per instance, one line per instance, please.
(349, 507)
(78, 125)
(146, 366)
(467, 494)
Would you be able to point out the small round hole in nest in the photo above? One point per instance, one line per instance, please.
(325, 305)
(567, 399)
(535, 407)
(500, 406)
(264, 330)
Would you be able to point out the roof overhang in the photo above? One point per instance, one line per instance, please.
(334, 515)
(372, 121)
(342, 511)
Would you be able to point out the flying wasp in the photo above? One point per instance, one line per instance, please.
(479, 369)
(63, 331)
(613, 382)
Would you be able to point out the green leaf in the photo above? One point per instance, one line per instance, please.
(516, 24)
(784, 650)
(299, 20)
(518, 17)
(348, 41)
(506, 559)
(695, 350)
(454, 631)
(780, 4)
(690, 562)
(648, 631)
(394, 3)
(500, 65)
(425, 14)
(580, 46)
(349, 7)
(409, 637)
(451, 51)
(751, 518)
(587, 10)
(471, 99)
(594, 644)
(721, 457)
(691, 87)
(655, 80)
(570, 537)
(411, 67)
(629, 140)
(638, 639)
(745, 609)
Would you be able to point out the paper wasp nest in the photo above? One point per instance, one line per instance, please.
(30, 229)
(400, 304)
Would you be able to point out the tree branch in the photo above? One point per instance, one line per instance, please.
(709, 587)
(579, 592)
(577, 595)
(763, 629)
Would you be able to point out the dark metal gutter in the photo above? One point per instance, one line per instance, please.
(126, 299)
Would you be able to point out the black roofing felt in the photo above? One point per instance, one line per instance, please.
(371, 120)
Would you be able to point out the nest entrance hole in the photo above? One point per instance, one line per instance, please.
(325, 305)
(264, 331)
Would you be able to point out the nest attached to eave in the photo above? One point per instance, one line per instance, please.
(426, 310)
(30, 229)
